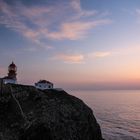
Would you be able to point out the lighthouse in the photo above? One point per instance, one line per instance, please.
(12, 73)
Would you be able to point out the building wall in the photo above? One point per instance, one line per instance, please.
(11, 81)
(43, 86)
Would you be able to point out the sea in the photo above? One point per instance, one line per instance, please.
(117, 112)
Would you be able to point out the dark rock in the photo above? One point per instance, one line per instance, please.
(29, 114)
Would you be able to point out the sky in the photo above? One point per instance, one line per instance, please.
(76, 44)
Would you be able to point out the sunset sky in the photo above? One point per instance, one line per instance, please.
(76, 44)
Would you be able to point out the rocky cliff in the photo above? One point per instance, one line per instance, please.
(28, 114)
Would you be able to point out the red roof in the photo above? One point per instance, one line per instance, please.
(12, 65)
(44, 81)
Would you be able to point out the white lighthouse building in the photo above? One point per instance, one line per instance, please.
(43, 84)
(12, 73)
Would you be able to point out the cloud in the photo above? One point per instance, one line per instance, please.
(99, 54)
(78, 58)
(132, 49)
(75, 30)
(76, 5)
(65, 20)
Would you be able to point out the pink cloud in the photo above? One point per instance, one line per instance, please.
(70, 24)
(75, 30)
(67, 58)
(99, 54)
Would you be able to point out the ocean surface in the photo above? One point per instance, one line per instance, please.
(117, 112)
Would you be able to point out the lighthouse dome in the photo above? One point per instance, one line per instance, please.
(12, 67)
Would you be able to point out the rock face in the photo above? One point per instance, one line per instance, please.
(28, 114)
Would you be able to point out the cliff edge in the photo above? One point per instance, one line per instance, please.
(27, 113)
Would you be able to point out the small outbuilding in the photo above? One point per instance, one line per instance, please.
(43, 84)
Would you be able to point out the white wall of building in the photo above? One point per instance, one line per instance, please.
(43, 86)
(10, 81)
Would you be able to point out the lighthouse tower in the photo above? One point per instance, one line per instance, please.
(12, 73)
(12, 69)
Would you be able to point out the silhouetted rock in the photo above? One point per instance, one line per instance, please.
(28, 114)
